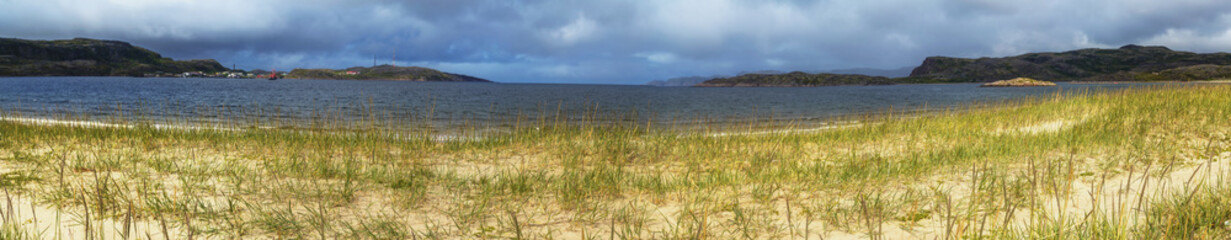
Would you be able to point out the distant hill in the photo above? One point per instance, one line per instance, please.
(383, 72)
(89, 57)
(795, 79)
(1128, 63)
(680, 81)
(891, 73)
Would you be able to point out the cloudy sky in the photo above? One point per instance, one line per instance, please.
(617, 41)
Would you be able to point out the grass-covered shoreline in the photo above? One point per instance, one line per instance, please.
(1143, 163)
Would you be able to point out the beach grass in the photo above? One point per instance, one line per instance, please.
(1142, 163)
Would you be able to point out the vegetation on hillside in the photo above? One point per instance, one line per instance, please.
(89, 57)
(795, 79)
(383, 72)
(1189, 73)
(1123, 64)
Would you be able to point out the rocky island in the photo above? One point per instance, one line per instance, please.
(90, 57)
(383, 72)
(1019, 82)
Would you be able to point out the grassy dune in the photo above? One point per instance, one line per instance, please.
(1138, 164)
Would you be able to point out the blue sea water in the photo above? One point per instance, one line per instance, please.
(445, 103)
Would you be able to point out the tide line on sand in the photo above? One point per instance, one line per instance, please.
(786, 131)
(98, 124)
(80, 123)
(435, 137)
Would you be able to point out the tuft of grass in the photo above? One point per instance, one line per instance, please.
(14, 231)
(1197, 214)
(16, 179)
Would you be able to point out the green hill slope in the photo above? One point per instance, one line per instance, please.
(89, 57)
(383, 72)
(1123, 64)
(795, 79)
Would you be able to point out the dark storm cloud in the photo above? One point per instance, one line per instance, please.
(616, 41)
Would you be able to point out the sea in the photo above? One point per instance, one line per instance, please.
(348, 103)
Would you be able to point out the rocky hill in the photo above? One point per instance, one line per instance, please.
(89, 57)
(383, 72)
(795, 79)
(1127, 63)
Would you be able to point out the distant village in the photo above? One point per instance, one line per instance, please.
(255, 74)
(230, 74)
(238, 74)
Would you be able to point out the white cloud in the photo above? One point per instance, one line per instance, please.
(580, 29)
(1192, 40)
(658, 57)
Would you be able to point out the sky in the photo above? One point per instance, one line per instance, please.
(618, 41)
